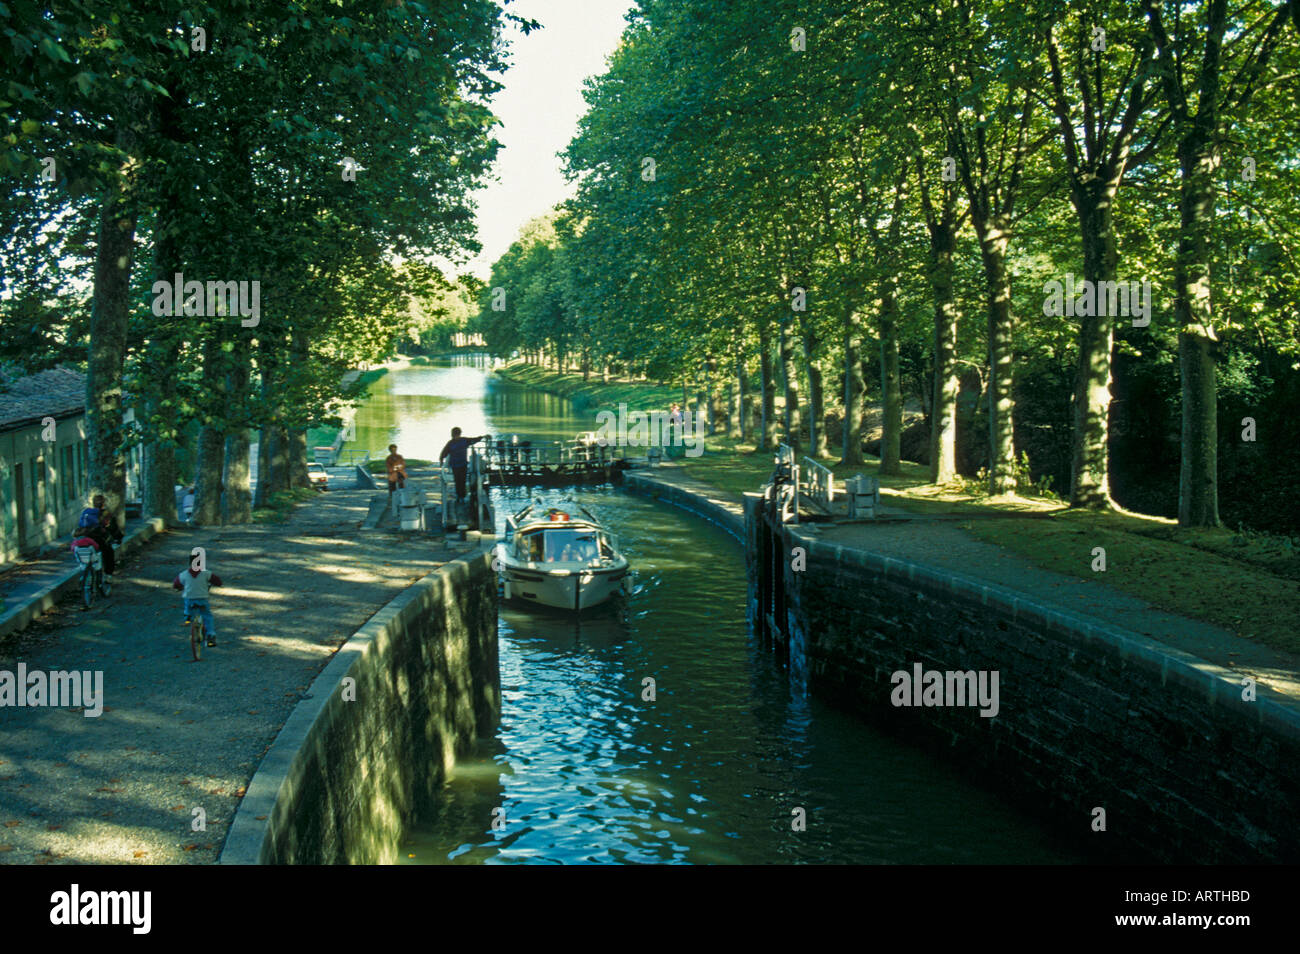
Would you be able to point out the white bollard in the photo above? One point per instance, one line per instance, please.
(864, 496)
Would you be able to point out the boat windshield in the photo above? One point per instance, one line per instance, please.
(564, 546)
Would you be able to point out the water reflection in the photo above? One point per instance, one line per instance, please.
(417, 407)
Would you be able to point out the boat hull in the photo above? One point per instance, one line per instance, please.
(576, 589)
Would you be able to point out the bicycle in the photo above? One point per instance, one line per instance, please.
(196, 635)
(92, 573)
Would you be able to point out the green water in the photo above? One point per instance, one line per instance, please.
(584, 768)
(416, 408)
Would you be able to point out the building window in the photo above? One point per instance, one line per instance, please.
(43, 504)
(67, 476)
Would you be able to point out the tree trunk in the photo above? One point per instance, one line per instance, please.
(212, 456)
(790, 372)
(272, 470)
(854, 388)
(739, 413)
(297, 450)
(891, 394)
(1089, 479)
(702, 400)
(994, 240)
(943, 410)
(717, 399)
(108, 322)
(239, 497)
(298, 458)
(162, 357)
(279, 470)
(262, 492)
(768, 439)
(1198, 478)
(238, 502)
(816, 397)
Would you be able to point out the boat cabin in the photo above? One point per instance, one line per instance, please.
(551, 544)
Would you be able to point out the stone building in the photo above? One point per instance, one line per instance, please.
(45, 459)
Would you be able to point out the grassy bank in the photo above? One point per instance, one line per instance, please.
(637, 395)
(1248, 583)
(324, 435)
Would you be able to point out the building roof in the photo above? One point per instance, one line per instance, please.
(25, 400)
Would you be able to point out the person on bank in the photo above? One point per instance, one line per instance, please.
(97, 523)
(455, 453)
(396, 465)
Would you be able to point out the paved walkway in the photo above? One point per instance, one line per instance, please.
(174, 734)
(942, 543)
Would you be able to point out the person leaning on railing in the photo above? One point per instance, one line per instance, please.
(456, 452)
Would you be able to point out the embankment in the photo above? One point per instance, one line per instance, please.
(379, 729)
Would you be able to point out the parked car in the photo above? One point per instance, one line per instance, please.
(318, 476)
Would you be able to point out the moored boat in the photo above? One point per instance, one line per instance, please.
(560, 558)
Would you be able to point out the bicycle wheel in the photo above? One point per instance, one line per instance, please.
(196, 636)
(87, 586)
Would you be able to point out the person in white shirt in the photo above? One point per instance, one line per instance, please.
(194, 585)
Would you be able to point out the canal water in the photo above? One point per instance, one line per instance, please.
(720, 761)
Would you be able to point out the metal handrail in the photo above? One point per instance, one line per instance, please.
(821, 483)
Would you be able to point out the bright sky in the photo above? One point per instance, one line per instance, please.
(539, 109)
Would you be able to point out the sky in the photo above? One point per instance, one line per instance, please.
(539, 110)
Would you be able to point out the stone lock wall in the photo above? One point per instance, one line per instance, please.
(1090, 715)
(344, 778)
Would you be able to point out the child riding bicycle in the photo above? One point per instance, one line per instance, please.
(193, 585)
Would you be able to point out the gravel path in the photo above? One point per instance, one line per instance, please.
(176, 735)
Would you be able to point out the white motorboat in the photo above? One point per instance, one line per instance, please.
(558, 558)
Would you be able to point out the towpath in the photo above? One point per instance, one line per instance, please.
(176, 735)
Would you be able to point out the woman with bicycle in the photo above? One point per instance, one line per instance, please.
(97, 523)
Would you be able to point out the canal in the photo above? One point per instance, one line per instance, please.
(717, 763)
